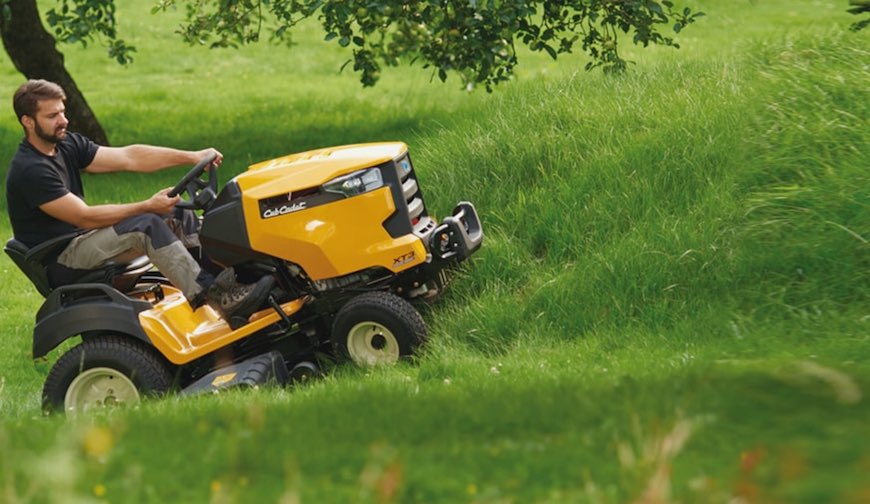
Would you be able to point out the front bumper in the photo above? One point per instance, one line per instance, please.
(451, 242)
(458, 236)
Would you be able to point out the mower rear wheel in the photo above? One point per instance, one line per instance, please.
(104, 372)
(377, 328)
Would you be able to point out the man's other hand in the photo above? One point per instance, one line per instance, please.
(161, 203)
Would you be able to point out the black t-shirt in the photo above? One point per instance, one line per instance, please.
(35, 179)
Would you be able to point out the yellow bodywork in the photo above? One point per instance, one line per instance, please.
(326, 241)
(183, 335)
(333, 239)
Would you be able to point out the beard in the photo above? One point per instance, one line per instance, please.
(56, 137)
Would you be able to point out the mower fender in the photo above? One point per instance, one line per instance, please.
(79, 309)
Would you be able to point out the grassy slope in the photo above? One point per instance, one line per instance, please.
(672, 300)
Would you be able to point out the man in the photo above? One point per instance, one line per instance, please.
(45, 199)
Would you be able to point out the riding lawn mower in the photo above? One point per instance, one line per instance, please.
(347, 237)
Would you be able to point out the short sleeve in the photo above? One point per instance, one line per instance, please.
(83, 150)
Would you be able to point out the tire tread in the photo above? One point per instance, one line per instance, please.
(379, 304)
(149, 372)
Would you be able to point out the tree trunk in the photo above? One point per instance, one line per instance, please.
(32, 50)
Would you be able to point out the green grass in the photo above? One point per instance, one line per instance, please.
(671, 303)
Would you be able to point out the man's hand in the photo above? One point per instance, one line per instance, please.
(206, 152)
(160, 203)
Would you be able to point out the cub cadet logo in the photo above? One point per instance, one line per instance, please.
(284, 209)
(403, 259)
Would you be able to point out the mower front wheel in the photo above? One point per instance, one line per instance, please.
(104, 372)
(377, 328)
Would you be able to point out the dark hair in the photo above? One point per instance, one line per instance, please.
(27, 98)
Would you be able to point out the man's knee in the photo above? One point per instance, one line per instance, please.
(150, 225)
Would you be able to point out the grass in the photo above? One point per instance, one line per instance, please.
(671, 303)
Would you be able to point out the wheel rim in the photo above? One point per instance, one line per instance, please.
(99, 388)
(371, 343)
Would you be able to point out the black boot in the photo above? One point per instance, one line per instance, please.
(234, 300)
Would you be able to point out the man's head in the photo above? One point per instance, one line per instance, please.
(40, 110)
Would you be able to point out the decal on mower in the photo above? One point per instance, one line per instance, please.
(222, 379)
(284, 209)
(404, 259)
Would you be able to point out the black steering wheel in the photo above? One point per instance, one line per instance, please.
(200, 192)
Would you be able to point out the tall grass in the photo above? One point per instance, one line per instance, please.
(671, 303)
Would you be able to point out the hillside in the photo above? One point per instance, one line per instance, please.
(671, 304)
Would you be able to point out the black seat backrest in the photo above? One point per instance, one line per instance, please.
(45, 274)
(32, 261)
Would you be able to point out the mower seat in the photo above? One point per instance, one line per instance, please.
(38, 264)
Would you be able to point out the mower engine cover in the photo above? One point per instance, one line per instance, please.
(334, 212)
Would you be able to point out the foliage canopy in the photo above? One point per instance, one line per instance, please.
(477, 39)
(859, 7)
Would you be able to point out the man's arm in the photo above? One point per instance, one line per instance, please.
(144, 158)
(72, 210)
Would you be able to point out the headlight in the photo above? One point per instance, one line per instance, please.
(358, 182)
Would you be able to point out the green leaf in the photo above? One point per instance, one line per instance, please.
(656, 8)
(550, 50)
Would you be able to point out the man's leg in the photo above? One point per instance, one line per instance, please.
(143, 234)
(150, 234)
(185, 225)
(225, 295)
